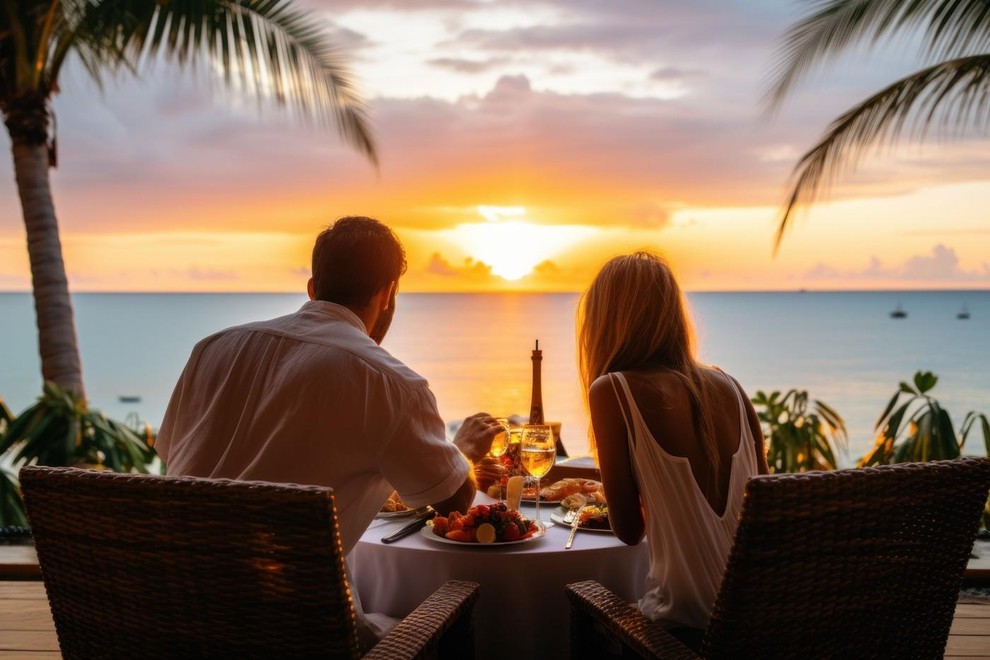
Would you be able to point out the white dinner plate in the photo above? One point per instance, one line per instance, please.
(558, 517)
(427, 531)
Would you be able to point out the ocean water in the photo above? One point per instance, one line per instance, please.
(475, 348)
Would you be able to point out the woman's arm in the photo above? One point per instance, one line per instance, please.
(625, 511)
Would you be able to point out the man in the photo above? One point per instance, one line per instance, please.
(312, 398)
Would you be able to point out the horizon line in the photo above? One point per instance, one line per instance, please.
(519, 291)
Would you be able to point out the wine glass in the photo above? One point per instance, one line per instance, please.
(539, 450)
(500, 443)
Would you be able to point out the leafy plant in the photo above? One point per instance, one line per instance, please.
(59, 429)
(969, 423)
(11, 508)
(925, 425)
(799, 440)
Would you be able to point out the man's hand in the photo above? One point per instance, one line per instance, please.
(475, 436)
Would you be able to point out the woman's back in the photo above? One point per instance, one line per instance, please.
(691, 511)
(664, 404)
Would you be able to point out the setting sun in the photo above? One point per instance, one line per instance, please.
(513, 249)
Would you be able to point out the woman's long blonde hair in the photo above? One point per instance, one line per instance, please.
(633, 317)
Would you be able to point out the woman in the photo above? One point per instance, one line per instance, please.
(675, 440)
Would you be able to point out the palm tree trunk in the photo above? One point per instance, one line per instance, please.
(59, 349)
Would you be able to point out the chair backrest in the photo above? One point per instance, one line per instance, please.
(143, 566)
(854, 563)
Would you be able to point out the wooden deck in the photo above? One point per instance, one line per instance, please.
(27, 631)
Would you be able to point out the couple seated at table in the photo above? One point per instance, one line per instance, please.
(312, 398)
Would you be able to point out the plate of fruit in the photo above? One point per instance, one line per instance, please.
(483, 525)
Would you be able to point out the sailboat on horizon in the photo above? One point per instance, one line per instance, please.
(963, 313)
(898, 313)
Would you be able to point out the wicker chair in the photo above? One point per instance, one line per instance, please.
(854, 563)
(142, 566)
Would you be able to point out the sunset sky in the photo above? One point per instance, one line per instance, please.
(523, 142)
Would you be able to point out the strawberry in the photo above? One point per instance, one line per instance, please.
(510, 533)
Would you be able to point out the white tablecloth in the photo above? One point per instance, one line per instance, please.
(522, 611)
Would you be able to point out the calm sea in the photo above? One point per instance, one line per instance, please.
(474, 348)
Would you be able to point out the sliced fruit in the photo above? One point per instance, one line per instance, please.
(485, 533)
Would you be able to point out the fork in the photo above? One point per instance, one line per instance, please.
(575, 517)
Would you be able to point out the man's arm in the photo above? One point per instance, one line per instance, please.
(474, 439)
(460, 500)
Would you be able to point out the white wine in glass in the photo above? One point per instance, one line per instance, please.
(500, 444)
(539, 450)
(501, 441)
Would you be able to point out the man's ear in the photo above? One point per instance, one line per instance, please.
(310, 289)
(390, 292)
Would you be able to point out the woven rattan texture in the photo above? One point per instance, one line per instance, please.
(442, 626)
(595, 609)
(140, 566)
(856, 563)
(863, 563)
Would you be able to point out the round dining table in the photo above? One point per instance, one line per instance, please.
(522, 611)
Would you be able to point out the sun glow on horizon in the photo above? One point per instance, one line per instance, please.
(514, 249)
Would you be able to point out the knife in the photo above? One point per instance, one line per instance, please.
(574, 528)
(410, 528)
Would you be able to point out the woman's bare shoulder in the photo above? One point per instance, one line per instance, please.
(601, 391)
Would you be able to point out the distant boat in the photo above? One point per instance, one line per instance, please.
(129, 398)
(898, 313)
(963, 313)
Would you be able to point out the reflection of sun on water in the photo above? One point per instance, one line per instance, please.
(514, 248)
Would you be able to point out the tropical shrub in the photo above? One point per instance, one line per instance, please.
(60, 430)
(915, 427)
(11, 510)
(798, 440)
(928, 434)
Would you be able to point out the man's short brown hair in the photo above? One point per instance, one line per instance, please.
(354, 259)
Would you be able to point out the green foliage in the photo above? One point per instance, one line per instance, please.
(798, 440)
(60, 430)
(969, 423)
(914, 426)
(5, 417)
(11, 508)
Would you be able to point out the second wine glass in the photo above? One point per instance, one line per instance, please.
(500, 443)
(539, 450)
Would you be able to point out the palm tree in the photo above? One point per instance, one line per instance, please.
(267, 47)
(951, 90)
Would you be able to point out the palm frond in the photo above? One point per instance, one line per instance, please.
(950, 29)
(267, 48)
(954, 93)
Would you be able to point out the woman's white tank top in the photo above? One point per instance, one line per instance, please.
(689, 543)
